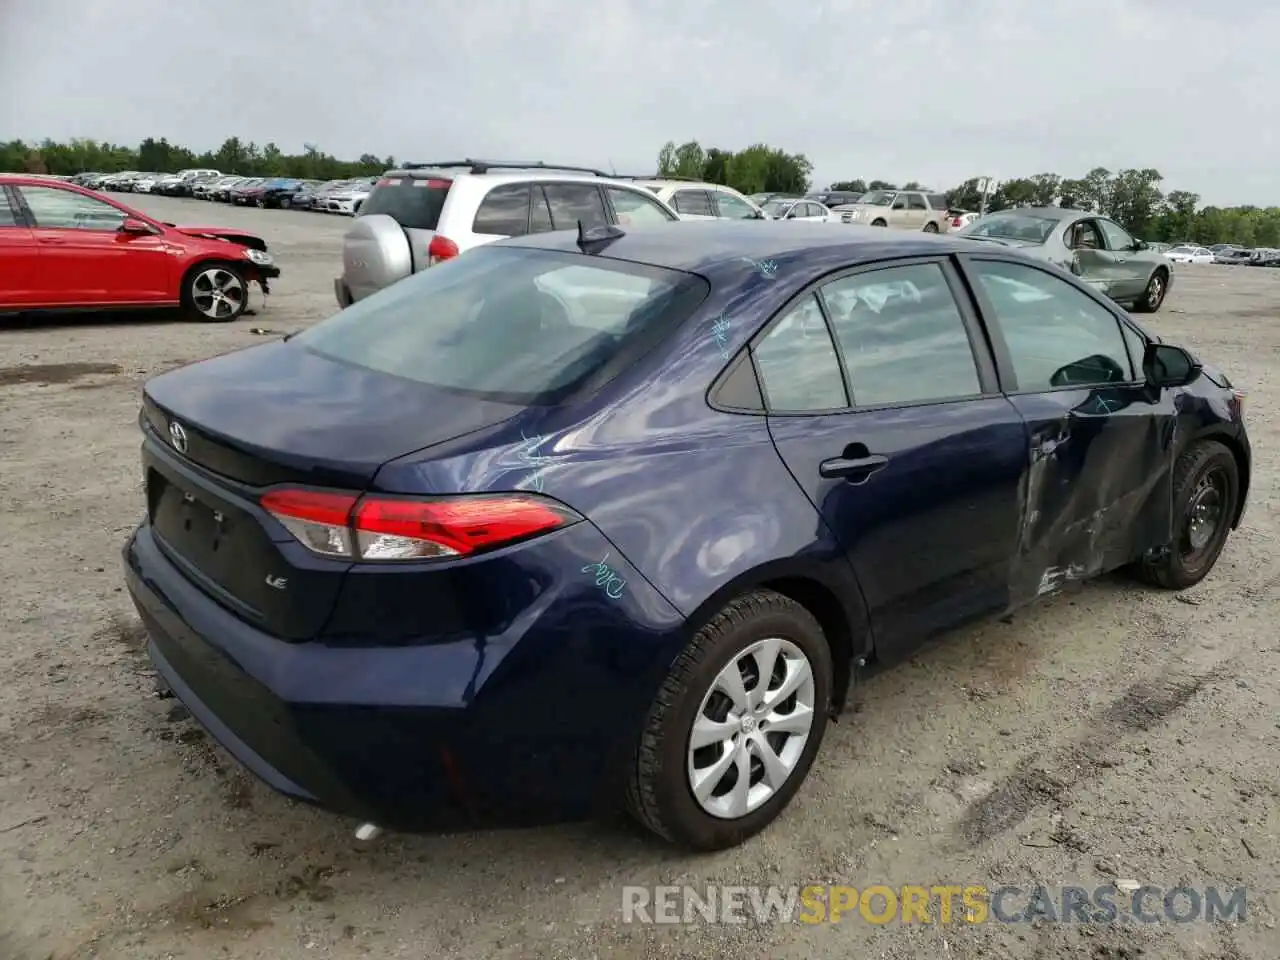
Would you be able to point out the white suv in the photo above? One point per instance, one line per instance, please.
(423, 213)
(696, 200)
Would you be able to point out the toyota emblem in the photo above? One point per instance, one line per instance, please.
(178, 436)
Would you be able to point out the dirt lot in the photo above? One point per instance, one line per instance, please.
(1112, 733)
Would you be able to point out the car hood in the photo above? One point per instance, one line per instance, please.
(1002, 241)
(222, 233)
(862, 207)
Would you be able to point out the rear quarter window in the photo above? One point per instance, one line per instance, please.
(511, 324)
(413, 202)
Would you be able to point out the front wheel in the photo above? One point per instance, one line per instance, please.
(215, 293)
(1206, 492)
(1153, 295)
(930, 227)
(735, 727)
(879, 223)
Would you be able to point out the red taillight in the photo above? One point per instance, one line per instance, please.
(957, 222)
(384, 528)
(440, 249)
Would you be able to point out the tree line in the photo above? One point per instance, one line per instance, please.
(1134, 198)
(160, 156)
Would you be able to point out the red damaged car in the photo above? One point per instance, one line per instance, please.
(66, 248)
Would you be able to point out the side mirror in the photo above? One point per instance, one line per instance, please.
(1141, 245)
(135, 226)
(1166, 365)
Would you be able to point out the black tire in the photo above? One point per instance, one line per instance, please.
(879, 223)
(659, 795)
(930, 227)
(1154, 295)
(195, 293)
(1183, 565)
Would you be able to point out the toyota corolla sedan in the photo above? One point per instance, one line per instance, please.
(577, 521)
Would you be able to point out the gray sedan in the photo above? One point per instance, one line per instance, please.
(1094, 248)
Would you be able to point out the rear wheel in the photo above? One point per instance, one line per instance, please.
(215, 293)
(879, 223)
(1153, 296)
(1206, 491)
(735, 726)
(930, 227)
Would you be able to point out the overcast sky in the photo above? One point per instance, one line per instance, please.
(928, 90)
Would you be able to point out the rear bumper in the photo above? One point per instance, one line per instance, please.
(522, 728)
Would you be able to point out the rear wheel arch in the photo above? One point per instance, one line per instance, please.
(844, 622)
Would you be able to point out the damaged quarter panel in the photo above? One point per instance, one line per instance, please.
(1098, 489)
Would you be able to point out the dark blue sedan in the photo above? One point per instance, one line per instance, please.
(575, 520)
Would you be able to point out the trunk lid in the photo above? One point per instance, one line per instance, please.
(218, 432)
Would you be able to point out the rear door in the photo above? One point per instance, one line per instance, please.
(1099, 488)
(917, 211)
(85, 259)
(20, 275)
(882, 400)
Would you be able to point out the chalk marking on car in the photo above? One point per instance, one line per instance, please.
(606, 577)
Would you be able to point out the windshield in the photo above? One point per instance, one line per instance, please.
(879, 198)
(1012, 226)
(1184, 250)
(510, 324)
(776, 208)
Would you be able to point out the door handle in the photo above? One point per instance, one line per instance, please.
(855, 464)
(52, 240)
(1120, 260)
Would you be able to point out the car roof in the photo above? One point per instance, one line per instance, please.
(699, 245)
(679, 184)
(501, 175)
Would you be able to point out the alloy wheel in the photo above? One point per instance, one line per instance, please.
(1155, 291)
(217, 293)
(750, 730)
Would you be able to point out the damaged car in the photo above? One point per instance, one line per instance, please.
(67, 248)
(614, 517)
(1093, 247)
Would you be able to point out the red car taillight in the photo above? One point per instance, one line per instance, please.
(958, 222)
(440, 249)
(394, 528)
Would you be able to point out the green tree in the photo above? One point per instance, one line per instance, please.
(849, 186)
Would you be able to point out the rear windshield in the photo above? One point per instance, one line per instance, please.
(413, 202)
(1012, 226)
(511, 324)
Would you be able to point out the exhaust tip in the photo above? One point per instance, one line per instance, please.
(368, 831)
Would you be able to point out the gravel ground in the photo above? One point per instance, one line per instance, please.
(1115, 732)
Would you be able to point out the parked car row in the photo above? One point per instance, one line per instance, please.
(329, 196)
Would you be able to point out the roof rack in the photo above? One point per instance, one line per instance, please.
(656, 176)
(483, 166)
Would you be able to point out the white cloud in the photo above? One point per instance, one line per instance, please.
(931, 90)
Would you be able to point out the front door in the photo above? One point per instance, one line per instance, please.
(1097, 266)
(1130, 268)
(85, 259)
(889, 420)
(1099, 485)
(19, 257)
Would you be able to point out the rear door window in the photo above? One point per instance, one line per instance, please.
(695, 202)
(510, 324)
(574, 203)
(504, 211)
(731, 208)
(633, 207)
(915, 201)
(413, 202)
(902, 336)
